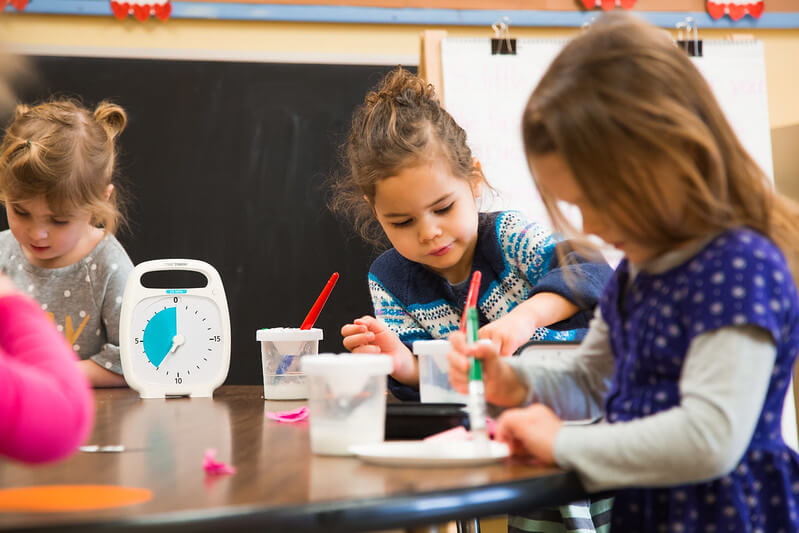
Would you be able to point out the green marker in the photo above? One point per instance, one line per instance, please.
(477, 395)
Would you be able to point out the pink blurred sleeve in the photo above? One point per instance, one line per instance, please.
(46, 403)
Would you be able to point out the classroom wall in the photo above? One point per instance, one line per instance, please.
(314, 42)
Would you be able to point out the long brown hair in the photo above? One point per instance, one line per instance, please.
(67, 154)
(401, 123)
(647, 142)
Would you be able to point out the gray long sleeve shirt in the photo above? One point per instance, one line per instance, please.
(702, 438)
(83, 299)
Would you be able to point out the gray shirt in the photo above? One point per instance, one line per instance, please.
(83, 299)
(701, 438)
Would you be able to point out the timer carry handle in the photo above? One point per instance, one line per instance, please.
(190, 265)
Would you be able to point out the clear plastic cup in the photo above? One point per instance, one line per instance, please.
(434, 385)
(346, 400)
(281, 350)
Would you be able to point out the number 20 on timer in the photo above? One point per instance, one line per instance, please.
(175, 341)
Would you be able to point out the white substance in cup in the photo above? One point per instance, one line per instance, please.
(328, 438)
(347, 400)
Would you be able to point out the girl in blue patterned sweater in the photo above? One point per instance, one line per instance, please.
(412, 178)
(692, 348)
(412, 173)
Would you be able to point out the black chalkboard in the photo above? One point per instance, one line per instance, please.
(227, 162)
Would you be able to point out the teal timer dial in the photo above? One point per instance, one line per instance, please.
(175, 341)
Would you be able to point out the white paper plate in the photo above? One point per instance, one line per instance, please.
(430, 453)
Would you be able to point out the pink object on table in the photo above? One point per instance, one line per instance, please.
(491, 426)
(295, 415)
(456, 433)
(212, 466)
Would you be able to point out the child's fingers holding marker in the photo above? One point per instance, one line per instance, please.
(458, 363)
(502, 386)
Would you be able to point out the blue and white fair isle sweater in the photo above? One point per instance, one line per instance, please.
(516, 259)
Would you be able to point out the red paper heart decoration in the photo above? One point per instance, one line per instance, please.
(120, 10)
(3, 4)
(162, 11)
(141, 12)
(756, 9)
(736, 11)
(627, 4)
(608, 4)
(19, 4)
(589, 4)
(715, 10)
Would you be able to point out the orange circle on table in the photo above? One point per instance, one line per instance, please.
(60, 498)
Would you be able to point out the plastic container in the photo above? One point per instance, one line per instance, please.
(346, 400)
(281, 350)
(547, 349)
(434, 385)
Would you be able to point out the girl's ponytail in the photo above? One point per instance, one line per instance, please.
(111, 117)
(20, 111)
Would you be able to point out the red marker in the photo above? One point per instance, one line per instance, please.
(471, 297)
(313, 314)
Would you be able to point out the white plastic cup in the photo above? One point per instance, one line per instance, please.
(281, 351)
(346, 400)
(542, 350)
(434, 385)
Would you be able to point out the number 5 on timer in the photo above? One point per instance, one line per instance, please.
(174, 341)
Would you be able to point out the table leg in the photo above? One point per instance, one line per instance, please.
(471, 525)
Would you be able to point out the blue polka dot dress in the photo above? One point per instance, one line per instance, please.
(740, 278)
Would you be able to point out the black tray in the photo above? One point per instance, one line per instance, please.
(411, 420)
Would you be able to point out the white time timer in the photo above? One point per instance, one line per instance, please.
(174, 341)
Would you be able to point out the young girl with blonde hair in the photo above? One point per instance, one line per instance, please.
(412, 179)
(691, 351)
(56, 166)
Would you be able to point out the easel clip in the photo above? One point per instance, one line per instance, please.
(502, 43)
(691, 42)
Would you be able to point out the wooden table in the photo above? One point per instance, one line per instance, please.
(280, 485)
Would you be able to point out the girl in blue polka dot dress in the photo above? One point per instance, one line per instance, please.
(690, 354)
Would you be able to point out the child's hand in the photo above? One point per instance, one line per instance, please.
(502, 387)
(530, 432)
(510, 331)
(515, 328)
(370, 335)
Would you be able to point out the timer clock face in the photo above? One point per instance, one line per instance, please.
(177, 339)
